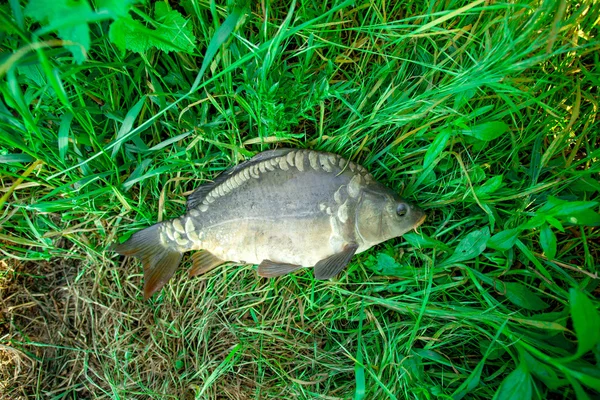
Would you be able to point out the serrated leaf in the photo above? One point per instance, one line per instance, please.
(386, 265)
(471, 246)
(517, 385)
(548, 241)
(505, 239)
(176, 30)
(487, 131)
(490, 186)
(435, 149)
(68, 19)
(42, 11)
(80, 34)
(173, 32)
(586, 321)
(129, 34)
(522, 296)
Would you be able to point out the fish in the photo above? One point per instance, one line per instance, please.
(282, 210)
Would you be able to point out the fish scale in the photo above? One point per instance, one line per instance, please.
(283, 209)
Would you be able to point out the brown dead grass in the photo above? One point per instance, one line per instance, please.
(34, 327)
(71, 330)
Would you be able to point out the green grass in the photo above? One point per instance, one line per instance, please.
(483, 113)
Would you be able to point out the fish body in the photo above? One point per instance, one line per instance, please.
(283, 209)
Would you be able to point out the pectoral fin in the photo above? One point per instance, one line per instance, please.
(270, 269)
(333, 265)
(202, 262)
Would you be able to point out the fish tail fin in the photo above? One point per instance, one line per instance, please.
(159, 259)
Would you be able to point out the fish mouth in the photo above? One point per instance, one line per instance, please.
(420, 222)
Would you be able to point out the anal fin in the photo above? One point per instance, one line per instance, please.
(333, 265)
(271, 269)
(202, 262)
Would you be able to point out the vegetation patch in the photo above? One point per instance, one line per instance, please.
(485, 114)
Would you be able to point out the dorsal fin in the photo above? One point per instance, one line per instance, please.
(200, 193)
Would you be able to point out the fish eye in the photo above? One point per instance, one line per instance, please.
(401, 209)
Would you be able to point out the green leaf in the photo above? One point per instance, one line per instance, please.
(228, 362)
(471, 382)
(414, 367)
(586, 321)
(68, 18)
(129, 34)
(470, 247)
(63, 134)
(517, 385)
(386, 265)
(128, 124)
(555, 223)
(463, 98)
(585, 184)
(584, 217)
(586, 373)
(219, 38)
(493, 349)
(490, 186)
(424, 242)
(487, 131)
(176, 30)
(42, 11)
(548, 241)
(542, 371)
(580, 393)
(504, 240)
(564, 208)
(167, 142)
(15, 158)
(135, 175)
(534, 222)
(359, 368)
(435, 149)
(116, 8)
(522, 296)
(172, 33)
(529, 254)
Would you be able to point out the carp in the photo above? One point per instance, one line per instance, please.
(282, 209)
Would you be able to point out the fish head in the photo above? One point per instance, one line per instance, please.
(383, 216)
